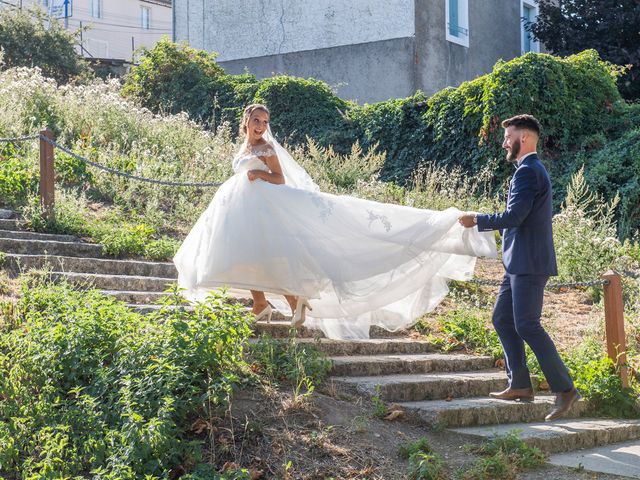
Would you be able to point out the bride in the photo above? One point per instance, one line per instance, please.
(352, 263)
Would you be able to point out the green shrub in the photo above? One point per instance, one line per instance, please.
(303, 108)
(287, 360)
(596, 377)
(613, 170)
(30, 38)
(585, 235)
(396, 128)
(424, 464)
(88, 386)
(19, 176)
(461, 126)
(162, 249)
(71, 171)
(470, 329)
(504, 456)
(176, 78)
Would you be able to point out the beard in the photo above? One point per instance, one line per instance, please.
(512, 153)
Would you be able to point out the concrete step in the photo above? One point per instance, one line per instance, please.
(11, 224)
(426, 386)
(615, 459)
(135, 296)
(371, 365)
(564, 435)
(466, 412)
(25, 235)
(116, 282)
(374, 346)
(34, 247)
(21, 262)
(277, 318)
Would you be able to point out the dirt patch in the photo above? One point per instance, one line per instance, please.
(336, 437)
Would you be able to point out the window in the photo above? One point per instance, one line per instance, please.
(96, 8)
(457, 16)
(96, 48)
(145, 17)
(529, 12)
(45, 4)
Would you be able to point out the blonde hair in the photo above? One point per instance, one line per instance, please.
(249, 109)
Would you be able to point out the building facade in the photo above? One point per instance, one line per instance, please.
(367, 50)
(115, 28)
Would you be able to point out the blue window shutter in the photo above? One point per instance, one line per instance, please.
(453, 18)
(527, 35)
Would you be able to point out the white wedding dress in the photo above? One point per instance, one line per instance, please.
(360, 263)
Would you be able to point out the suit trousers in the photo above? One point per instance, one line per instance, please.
(516, 318)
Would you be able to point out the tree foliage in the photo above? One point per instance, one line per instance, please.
(30, 39)
(176, 78)
(608, 26)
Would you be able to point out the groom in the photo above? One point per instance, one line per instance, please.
(529, 260)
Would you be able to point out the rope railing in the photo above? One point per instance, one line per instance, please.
(549, 286)
(105, 168)
(610, 281)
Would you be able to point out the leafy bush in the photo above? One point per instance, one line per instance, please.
(19, 176)
(287, 360)
(91, 387)
(470, 329)
(613, 170)
(461, 126)
(176, 78)
(30, 38)
(305, 108)
(424, 464)
(504, 456)
(585, 235)
(595, 375)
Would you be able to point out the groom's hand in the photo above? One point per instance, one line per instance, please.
(467, 220)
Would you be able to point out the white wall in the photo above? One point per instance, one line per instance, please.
(254, 28)
(111, 36)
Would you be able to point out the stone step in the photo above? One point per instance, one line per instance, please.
(34, 247)
(278, 320)
(426, 386)
(116, 282)
(11, 224)
(374, 346)
(25, 235)
(135, 296)
(371, 365)
(615, 459)
(563, 435)
(467, 412)
(21, 262)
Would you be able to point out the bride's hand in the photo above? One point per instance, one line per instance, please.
(253, 175)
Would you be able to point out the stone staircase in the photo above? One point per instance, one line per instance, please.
(446, 391)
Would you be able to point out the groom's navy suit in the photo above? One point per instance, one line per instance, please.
(529, 260)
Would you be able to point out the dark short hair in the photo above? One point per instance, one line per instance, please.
(526, 121)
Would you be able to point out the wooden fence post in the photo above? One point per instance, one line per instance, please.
(47, 175)
(614, 324)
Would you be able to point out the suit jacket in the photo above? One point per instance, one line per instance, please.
(527, 237)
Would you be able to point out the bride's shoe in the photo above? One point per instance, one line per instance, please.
(298, 317)
(266, 312)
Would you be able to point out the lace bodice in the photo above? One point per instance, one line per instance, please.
(245, 161)
(248, 161)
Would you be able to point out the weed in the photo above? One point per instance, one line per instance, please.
(379, 407)
(504, 456)
(286, 360)
(424, 464)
